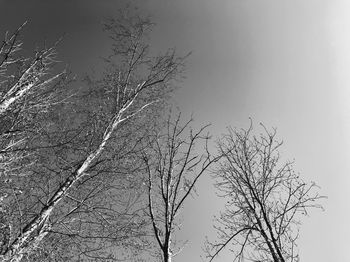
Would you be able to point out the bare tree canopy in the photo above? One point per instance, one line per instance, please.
(265, 199)
(174, 164)
(93, 169)
(70, 182)
(28, 89)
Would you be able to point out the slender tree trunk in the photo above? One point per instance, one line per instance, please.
(167, 255)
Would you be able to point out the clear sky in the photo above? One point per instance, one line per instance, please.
(285, 63)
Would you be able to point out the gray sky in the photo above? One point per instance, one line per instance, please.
(284, 63)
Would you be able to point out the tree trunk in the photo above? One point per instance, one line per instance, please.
(167, 254)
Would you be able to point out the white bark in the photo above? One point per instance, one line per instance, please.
(19, 247)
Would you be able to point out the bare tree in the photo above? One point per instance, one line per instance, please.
(265, 199)
(174, 165)
(28, 88)
(78, 190)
